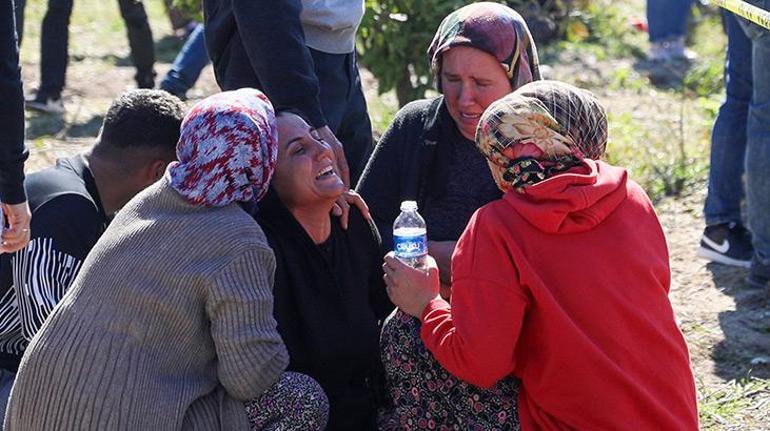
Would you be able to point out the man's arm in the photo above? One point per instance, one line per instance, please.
(63, 232)
(12, 150)
(271, 33)
(272, 36)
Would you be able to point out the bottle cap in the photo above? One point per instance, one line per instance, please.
(408, 206)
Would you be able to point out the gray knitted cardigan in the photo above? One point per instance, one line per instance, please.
(169, 325)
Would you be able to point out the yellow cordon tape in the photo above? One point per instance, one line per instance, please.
(750, 12)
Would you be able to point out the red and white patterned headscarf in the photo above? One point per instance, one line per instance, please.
(227, 149)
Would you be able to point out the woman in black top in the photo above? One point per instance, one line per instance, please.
(329, 294)
(479, 54)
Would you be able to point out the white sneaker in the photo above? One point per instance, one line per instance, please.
(46, 104)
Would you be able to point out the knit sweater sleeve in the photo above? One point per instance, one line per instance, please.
(475, 338)
(250, 351)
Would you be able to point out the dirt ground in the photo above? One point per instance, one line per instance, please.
(727, 325)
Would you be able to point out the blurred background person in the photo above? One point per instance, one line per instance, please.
(667, 27)
(740, 145)
(188, 64)
(54, 50)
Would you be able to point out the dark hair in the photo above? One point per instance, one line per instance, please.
(142, 119)
(295, 111)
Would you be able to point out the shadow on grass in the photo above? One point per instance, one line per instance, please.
(746, 348)
(165, 51)
(43, 125)
(668, 75)
(40, 125)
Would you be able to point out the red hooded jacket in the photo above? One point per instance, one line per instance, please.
(565, 286)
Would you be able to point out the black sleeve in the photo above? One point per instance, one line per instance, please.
(63, 232)
(367, 232)
(380, 184)
(272, 35)
(12, 150)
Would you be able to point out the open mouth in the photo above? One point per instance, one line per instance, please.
(467, 116)
(325, 172)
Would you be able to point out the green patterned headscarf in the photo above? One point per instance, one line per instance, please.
(555, 124)
(493, 28)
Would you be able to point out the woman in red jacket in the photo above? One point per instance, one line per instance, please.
(562, 283)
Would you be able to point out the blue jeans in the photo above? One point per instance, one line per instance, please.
(741, 136)
(667, 19)
(188, 64)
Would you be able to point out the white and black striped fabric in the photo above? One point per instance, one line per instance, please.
(67, 220)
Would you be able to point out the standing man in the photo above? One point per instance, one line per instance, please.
(72, 203)
(301, 53)
(740, 144)
(54, 46)
(12, 151)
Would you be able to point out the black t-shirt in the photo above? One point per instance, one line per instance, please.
(67, 220)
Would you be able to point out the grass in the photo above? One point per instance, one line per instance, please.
(741, 404)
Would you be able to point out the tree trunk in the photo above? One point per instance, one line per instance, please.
(404, 90)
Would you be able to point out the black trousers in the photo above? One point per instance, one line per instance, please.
(342, 99)
(54, 42)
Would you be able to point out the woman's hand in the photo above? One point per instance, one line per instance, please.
(341, 208)
(411, 289)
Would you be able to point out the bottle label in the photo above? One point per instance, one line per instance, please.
(407, 246)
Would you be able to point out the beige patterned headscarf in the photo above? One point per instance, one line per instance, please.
(541, 129)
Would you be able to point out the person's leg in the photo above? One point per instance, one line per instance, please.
(667, 27)
(758, 153)
(295, 402)
(355, 130)
(54, 41)
(725, 240)
(140, 41)
(188, 64)
(667, 19)
(728, 138)
(422, 395)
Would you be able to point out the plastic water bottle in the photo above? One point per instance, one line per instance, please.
(410, 241)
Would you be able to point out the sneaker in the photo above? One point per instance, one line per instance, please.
(44, 103)
(759, 275)
(670, 50)
(727, 243)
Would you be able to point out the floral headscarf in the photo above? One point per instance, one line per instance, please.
(227, 149)
(493, 28)
(541, 129)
